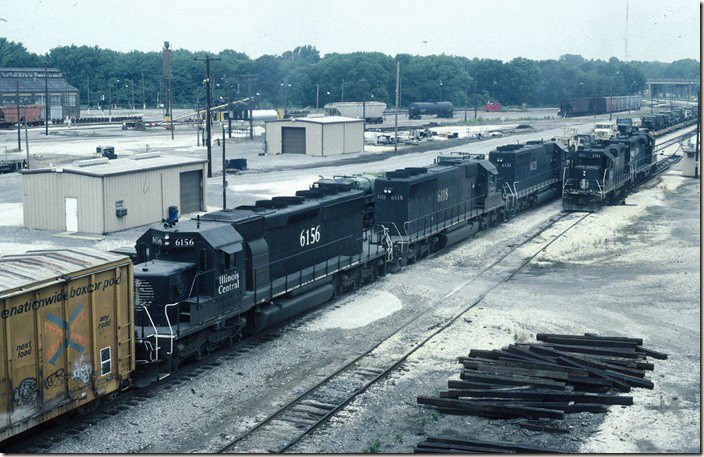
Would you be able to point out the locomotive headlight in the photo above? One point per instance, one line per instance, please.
(583, 184)
(166, 237)
(388, 190)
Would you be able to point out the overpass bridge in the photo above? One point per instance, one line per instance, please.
(679, 87)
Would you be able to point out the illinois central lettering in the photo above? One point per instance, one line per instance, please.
(228, 282)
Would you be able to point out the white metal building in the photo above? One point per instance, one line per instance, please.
(315, 136)
(102, 196)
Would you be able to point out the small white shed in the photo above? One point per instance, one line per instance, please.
(315, 136)
(103, 196)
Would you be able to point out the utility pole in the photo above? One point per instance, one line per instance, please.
(144, 100)
(224, 180)
(317, 95)
(109, 101)
(229, 108)
(398, 81)
(465, 104)
(342, 97)
(198, 116)
(132, 86)
(47, 116)
(250, 78)
(364, 104)
(19, 124)
(166, 74)
(88, 90)
(475, 99)
(611, 96)
(208, 102)
(26, 137)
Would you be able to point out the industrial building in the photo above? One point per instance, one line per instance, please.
(315, 136)
(33, 84)
(103, 196)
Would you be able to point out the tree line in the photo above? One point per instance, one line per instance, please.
(302, 78)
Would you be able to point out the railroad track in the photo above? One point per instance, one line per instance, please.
(308, 411)
(663, 165)
(667, 143)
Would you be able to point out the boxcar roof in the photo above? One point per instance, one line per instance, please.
(32, 267)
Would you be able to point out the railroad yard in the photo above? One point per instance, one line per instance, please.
(630, 270)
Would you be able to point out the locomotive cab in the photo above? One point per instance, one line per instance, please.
(187, 278)
(593, 175)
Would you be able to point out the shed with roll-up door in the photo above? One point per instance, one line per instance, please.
(315, 136)
(103, 196)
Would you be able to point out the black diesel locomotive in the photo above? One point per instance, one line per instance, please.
(602, 172)
(206, 282)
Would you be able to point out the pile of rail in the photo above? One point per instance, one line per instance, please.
(561, 374)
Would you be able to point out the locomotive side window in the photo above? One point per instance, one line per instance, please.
(228, 261)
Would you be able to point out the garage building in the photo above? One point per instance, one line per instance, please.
(315, 136)
(103, 196)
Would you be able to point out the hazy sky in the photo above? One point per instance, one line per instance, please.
(663, 30)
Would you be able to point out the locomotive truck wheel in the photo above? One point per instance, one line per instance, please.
(203, 351)
(176, 362)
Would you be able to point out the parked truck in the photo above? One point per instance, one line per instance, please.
(605, 130)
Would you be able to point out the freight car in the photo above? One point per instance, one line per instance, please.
(602, 173)
(440, 109)
(67, 333)
(572, 107)
(33, 114)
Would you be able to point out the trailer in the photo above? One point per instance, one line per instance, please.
(67, 333)
(372, 112)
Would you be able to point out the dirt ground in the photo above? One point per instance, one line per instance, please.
(628, 271)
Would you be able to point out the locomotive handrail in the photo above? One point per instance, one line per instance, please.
(461, 216)
(155, 335)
